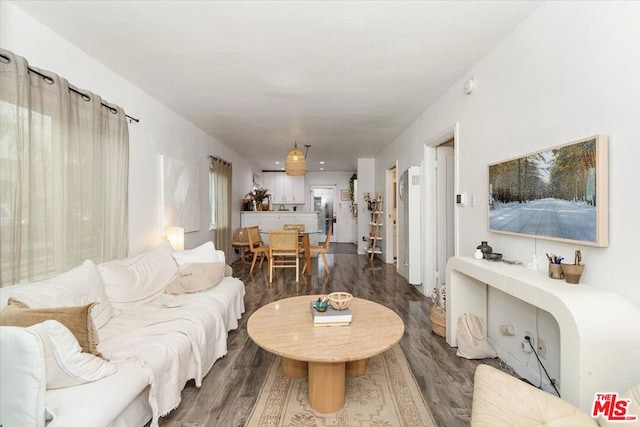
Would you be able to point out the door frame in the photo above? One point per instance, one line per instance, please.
(429, 194)
(389, 253)
(334, 188)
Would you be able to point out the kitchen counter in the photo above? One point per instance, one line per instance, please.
(274, 220)
(278, 211)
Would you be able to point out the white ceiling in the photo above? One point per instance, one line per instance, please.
(345, 77)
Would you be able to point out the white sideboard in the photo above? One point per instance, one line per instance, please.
(274, 220)
(284, 189)
(599, 330)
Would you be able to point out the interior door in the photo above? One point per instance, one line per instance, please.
(445, 204)
(394, 212)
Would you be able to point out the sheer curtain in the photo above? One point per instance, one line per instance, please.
(221, 203)
(64, 164)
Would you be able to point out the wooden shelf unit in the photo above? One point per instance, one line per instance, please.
(374, 227)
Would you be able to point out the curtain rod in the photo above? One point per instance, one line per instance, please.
(220, 159)
(83, 95)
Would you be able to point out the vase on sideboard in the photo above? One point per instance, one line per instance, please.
(572, 272)
(485, 248)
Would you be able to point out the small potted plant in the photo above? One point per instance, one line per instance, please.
(573, 272)
(367, 198)
(259, 195)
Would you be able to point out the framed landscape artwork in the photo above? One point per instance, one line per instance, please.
(559, 194)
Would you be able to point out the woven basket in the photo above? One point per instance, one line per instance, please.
(438, 320)
(340, 300)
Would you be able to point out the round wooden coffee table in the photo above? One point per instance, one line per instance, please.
(327, 354)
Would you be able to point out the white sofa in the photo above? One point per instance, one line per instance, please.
(153, 342)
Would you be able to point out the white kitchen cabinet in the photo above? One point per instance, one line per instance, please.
(274, 220)
(284, 189)
(269, 182)
(297, 190)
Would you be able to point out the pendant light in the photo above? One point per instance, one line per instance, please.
(295, 163)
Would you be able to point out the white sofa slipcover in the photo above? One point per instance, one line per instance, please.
(158, 342)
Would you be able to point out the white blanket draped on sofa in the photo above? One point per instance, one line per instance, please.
(147, 334)
(169, 339)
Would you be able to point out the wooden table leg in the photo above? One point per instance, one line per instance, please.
(307, 252)
(294, 368)
(356, 368)
(326, 386)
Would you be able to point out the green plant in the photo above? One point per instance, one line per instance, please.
(259, 194)
(351, 186)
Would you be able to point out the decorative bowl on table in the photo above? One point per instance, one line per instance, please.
(493, 256)
(340, 300)
(321, 304)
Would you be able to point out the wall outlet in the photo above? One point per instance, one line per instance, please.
(542, 348)
(531, 339)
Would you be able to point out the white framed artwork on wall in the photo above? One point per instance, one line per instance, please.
(179, 194)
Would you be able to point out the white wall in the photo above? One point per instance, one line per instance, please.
(569, 71)
(343, 229)
(160, 131)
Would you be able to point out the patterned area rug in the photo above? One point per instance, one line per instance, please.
(385, 396)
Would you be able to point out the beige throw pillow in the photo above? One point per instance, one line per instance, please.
(196, 277)
(77, 319)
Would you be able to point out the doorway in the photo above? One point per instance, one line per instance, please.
(391, 208)
(322, 201)
(445, 204)
(440, 221)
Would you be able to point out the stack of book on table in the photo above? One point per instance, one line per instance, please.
(331, 317)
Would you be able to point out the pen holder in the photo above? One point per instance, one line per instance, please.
(555, 271)
(572, 272)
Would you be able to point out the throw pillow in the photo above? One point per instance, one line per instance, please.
(203, 253)
(66, 364)
(197, 277)
(140, 279)
(77, 319)
(78, 286)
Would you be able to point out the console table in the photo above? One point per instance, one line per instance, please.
(599, 330)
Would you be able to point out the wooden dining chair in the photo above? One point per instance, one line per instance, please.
(300, 228)
(240, 240)
(322, 251)
(256, 246)
(283, 251)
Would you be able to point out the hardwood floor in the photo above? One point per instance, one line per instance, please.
(231, 387)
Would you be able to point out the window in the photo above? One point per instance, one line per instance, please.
(220, 172)
(63, 175)
(212, 199)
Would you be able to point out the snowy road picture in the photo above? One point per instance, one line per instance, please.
(554, 194)
(547, 217)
